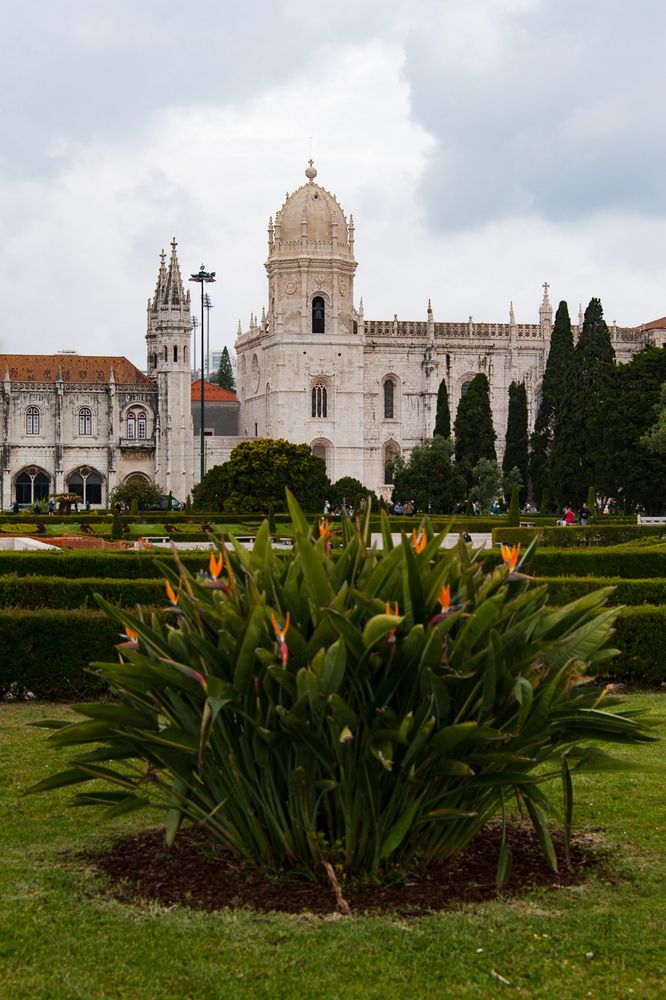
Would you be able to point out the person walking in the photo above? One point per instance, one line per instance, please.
(584, 514)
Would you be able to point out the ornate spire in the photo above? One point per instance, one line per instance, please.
(512, 315)
(546, 311)
(429, 309)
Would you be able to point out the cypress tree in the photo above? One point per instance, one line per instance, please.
(514, 508)
(116, 527)
(443, 417)
(224, 375)
(473, 428)
(576, 459)
(560, 357)
(515, 449)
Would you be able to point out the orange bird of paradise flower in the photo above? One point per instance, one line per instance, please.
(215, 565)
(418, 544)
(510, 556)
(281, 633)
(444, 598)
(131, 639)
(171, 593)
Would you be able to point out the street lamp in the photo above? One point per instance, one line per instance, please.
(202, 276)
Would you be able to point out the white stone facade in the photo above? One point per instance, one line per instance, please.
(315, 370)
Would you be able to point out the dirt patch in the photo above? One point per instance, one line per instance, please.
(196, 872)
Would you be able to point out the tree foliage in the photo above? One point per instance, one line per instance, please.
(655, 438)
(629, 469)
(488, 482)
(473, 429)
(560, 357)
(352, 490)
(576, 459)
(145, 494)
(257, 474)
(443, 416)
(224, 376)
(430, 477)
(516, 454)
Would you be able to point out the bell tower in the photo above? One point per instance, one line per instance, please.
(169, 329)
(301, 368)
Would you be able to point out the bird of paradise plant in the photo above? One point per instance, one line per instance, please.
(366, 707)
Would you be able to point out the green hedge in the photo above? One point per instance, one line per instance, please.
(73, 563)
(574, 537)
(633, 563)
(32, 592)
(562, 589)
(48, 651)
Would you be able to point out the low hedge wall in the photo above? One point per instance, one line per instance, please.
(562, 589)
(575, 536)
(75, 563)
(33, 592)
(633, 563)
(48, 651)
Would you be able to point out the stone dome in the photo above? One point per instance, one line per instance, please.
(319, 208)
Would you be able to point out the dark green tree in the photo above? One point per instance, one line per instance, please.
(257, 474)
(430, 477)
(473, 429)
(560, 357)
(514, 508)
(116, 527)
(351, 490)
(488, 484)
(576, 458)
(145, 494)
(655, 438)
(629, 470)
(515, 449)
(443, 416)
(224, 376)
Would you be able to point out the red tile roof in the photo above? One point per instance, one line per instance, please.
(213, 392)
(73, 368)
(656, 324)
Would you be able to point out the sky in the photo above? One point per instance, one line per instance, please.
(482, 146)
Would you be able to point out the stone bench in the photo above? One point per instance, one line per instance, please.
(650, 520)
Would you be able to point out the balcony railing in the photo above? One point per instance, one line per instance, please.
(138, 443)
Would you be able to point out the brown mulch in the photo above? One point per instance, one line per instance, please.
(196, 872)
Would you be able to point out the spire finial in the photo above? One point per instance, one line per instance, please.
(311, 171)
(163, 256)
(512, 315)
(546, 286)
(173, 244)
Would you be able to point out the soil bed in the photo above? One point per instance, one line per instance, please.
(196, 872)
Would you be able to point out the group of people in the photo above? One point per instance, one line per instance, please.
(582, 516)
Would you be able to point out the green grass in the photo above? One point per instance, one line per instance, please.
(60, 937)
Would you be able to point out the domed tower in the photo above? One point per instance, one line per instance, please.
(300, 370)
(169, 329)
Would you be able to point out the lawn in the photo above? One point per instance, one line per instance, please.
(61, 937)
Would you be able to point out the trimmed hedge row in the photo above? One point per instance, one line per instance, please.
(33, 592)
(633, 563)
(562, 589)
(48, 651)
(572, 537)
(74, 564)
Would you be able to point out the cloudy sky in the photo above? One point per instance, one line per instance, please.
(483, 147)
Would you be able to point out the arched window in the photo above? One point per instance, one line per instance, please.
(166, 353)
(85, 420)
(87, 484)
(153, 360)
(175, 352)
(31, 486)
(186, 354)
(391, 452)
(464, 388)
(131, 426)
(318, 314)
(32, 420)
(389, 391)
(319, 401)
(141, 425)
(137, 424)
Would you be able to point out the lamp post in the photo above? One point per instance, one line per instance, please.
(208, 305)
(202, 276)
(195, 324)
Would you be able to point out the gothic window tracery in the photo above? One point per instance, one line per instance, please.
(86, 483)
(31, 485)
(32, 420)
(319, 400)
(389, 399)
(137, 425)
(85, 421)
(390, 455)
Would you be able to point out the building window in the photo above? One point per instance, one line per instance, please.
(85, 420)
(388, 399)
(175, 352)
(137, 425)
(391, 452)
(464, 388)
(166, 353)
(87, 484)
(319, 401)
(318, 314)
(32, 420)
(31, 486)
